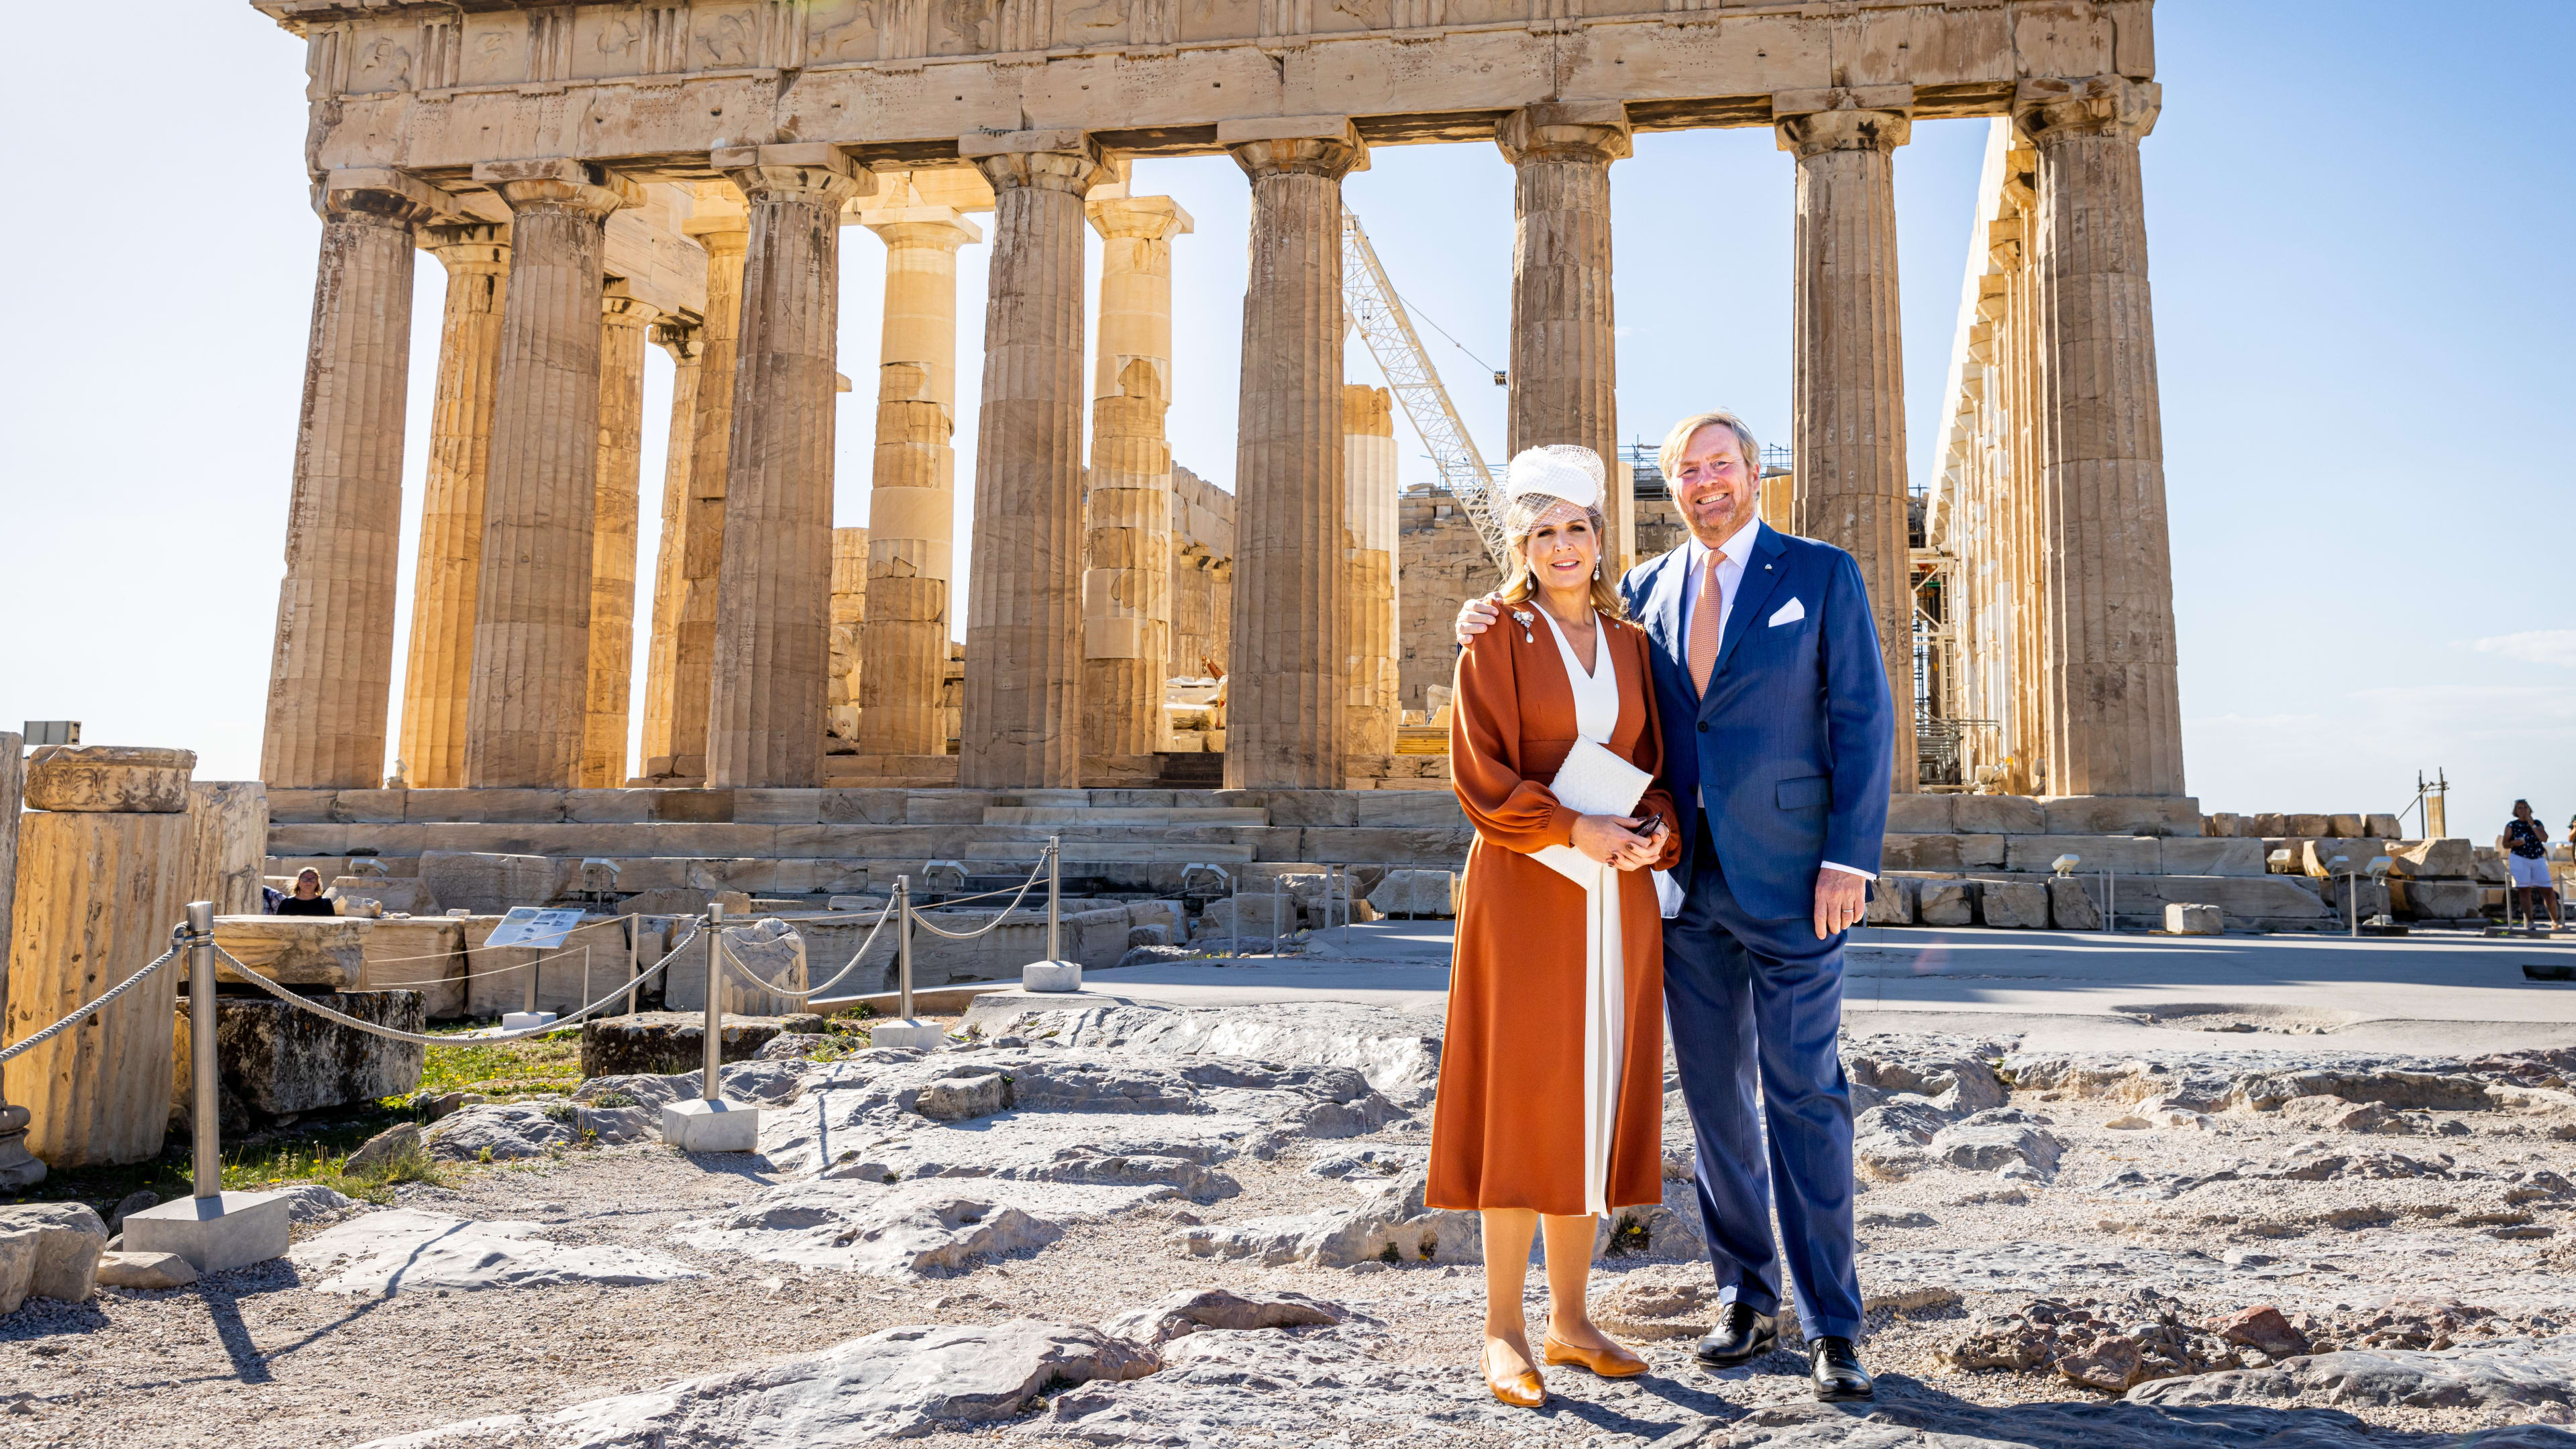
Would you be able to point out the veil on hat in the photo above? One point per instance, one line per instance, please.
(1540, 478)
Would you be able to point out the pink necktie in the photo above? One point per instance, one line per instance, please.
(1707, 630)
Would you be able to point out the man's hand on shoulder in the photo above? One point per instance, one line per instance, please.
(1475, 617)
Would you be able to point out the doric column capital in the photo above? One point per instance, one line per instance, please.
(1049, 160)
(1142, 218)
(942, 227)
(617, 304)
(1594, 131)
(2051, 110)
(381, 193)
(468, 246)
(1327, 146)
(679, 335)
(800, 171)
(1843, 118)
(559, 183)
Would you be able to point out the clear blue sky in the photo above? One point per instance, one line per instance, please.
(2359, 218)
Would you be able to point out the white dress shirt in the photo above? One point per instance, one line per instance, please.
(1730, 578)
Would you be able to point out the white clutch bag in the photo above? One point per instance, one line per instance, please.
(1592, 781)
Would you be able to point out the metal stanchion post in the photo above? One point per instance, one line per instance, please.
(712, 1124)
(1055, 895)
(634, 946)
(712, 1077)
(903, 949)
(206, 1113)
(536, 965)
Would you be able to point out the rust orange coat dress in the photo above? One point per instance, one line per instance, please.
(1508, 1126)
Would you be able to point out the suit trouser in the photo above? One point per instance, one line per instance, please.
(1755, 1001)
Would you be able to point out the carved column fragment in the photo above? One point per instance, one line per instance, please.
(1127, 585)
(1373, 705)
(679, 338)
(1848, 365)
(18, 1167)
(2116, 726)
(1285, 686)
(1021, 722)
(532, 617)
(912, 510)
(331, 671)
(438, 668)
(721, 225)
(615, 508)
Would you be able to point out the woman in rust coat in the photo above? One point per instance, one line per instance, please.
(1550, 1106)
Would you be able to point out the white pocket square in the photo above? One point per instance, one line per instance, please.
(1790, 613)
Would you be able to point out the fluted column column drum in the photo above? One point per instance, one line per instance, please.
(615, 506)
(721, 224)
(680, 339)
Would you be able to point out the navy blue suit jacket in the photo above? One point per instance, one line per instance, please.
(1793, 746)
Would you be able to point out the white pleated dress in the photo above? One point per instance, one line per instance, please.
(1605, 967)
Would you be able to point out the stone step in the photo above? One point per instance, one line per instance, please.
(1110, 852)
(1123, 815)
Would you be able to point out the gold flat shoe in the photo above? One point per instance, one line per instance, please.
(1522, 1390)
(1613, 1362)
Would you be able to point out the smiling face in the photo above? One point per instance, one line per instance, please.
(1720, 489)
(1562, 549)
(308, 884)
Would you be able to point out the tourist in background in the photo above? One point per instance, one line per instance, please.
(308, 899)
(2526, 848)
(1550, 1108)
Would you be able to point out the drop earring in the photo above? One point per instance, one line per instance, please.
(1596, 573)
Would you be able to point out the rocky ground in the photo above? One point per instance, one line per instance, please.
(1155, 1227)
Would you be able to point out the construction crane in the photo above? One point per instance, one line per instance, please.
(1370, 304)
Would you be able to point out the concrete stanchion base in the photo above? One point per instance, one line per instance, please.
(1051, 976)
(212, 1233)
(522, 1020)
(905, 1034)
(699, 1125)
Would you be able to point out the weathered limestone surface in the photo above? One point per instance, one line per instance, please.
(681, 339)
(1126, 581)
(524, 717)
(1202, 574)
(1022, 723)
(97, 893)
(1372, 707)
(18, 1168)
(774, 585)
(1848, 365)
(278, 1059)
(294, 950)
(228, 829)
(2116, 725)
(664, 1043)
(1564, 340)
(721, 224)
(912, 510)
(849, 620)
(332, 666)
(1285, 682)
(438, 668)
(615, 508)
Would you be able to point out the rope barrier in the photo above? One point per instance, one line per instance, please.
(998, 919)
(420, 1039)
(373, 961)
(84, 1012)
(753, 978)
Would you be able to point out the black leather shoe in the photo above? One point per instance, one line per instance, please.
(1741, 1336)
(1836, 1369)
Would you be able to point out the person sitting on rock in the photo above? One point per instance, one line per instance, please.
(308, 899)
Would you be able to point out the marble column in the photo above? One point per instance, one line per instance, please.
(524, 716)
(765, 711)
(721, 225)
(1848, 367)
(1021, 720)
(678, 337)
(330, 675)
(1373, 706)
(912, 508)
(849, 617)
(1291, 578)
(1564, 342)
(438, 669)
(1127, 545)
(615, 505)
(2116, 726)
(19, 1168)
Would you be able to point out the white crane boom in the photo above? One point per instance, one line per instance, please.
(1370, 303)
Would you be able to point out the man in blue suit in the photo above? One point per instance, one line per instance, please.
(1779, 734)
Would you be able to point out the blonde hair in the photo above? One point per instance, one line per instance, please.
(1669, 456)
(1520, 521)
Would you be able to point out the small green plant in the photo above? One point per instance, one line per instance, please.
(485, 1155)
(606, 1101)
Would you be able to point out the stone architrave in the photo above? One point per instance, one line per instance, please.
(228, 844)
(616, 506)
(1285, 682)
(331, 671)
(1564, 342)
(678, 337)
(903, 646)
(721, 224)
(1847, 366)
(438, 668)
(1022, 721)
(525, 715)
(774, 585)
(99, 885)
(1127, 544)
(2115, 723)
(18, 1167)
(1374, 706)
